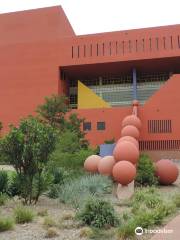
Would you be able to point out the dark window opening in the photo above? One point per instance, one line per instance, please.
(101, 126)
(87, 126)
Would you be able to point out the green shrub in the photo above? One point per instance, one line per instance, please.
(98, 213)
(3, 181)
(54, 191)
(49, 222)
(14, 188)
(23, 214)
(6, 223)
(3, 198)
(70, 160)
(176, 200)
(148, 197)
(145, 172)
(77, 191)
(28, 147)
(127, 230)
(51, 233)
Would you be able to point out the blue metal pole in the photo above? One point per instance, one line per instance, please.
(134, 84)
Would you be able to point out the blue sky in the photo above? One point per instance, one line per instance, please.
(92, 16)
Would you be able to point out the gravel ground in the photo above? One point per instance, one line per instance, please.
(36, 231)
(67, 229)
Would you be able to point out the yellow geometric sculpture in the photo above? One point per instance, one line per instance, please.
(88, 99)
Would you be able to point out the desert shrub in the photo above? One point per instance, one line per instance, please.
(68, 154)
(148, 197)
(77, 191)
(28, 147)
(14, 187)
(3, 198)
(3, 181)
(51, 233)
(176, 200)
(127, 230)
(42, 212)
(6, 223)
(49, 222)
(145, 172)
(86, 232)
(98, 213)
(23, 214)
(54, 191)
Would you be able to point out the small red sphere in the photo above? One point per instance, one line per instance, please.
(129, 139)
(130, 130)
(91, 163)
(124, 172)
(132, 120)
(105, 165)
(127, 151)
(167, 171)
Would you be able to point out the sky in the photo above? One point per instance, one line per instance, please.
(93, 16)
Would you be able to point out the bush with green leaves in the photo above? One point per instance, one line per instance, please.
(77, 191)
(148, 197)
(145, 172)
(28, 147)
(148, 209)
(176, 200)
(98, 213)
(3, 181)
(6, 223)
(23, 214)
(3, 198)
(54, 111)
(68, 153)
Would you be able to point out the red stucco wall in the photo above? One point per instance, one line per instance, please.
(35, 44)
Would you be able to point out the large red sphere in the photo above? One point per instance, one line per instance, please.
(130, 130)
(127, 151)
(106, 164)
(91, 163)
(132, 120)
(124, 172)
(129, 139)
(167, 171)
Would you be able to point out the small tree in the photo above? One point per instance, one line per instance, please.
(145, 172)
(27, 148)
(53, 110)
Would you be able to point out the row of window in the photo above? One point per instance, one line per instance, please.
(100, 126)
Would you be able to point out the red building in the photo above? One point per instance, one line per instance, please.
(40, 55)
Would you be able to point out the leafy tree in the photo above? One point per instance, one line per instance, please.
(27, 148)
(53, 110)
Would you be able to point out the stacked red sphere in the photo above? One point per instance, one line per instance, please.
(126, 151)
(125, 155)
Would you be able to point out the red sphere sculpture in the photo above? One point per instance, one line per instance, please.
(132, 120)
(130, 130)
(127, 151)
(91, 163)
(167, 171)
(129, 139)
(106, 164)
(124, 172)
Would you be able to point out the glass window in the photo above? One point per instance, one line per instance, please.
(101, 126)
(87, 126)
